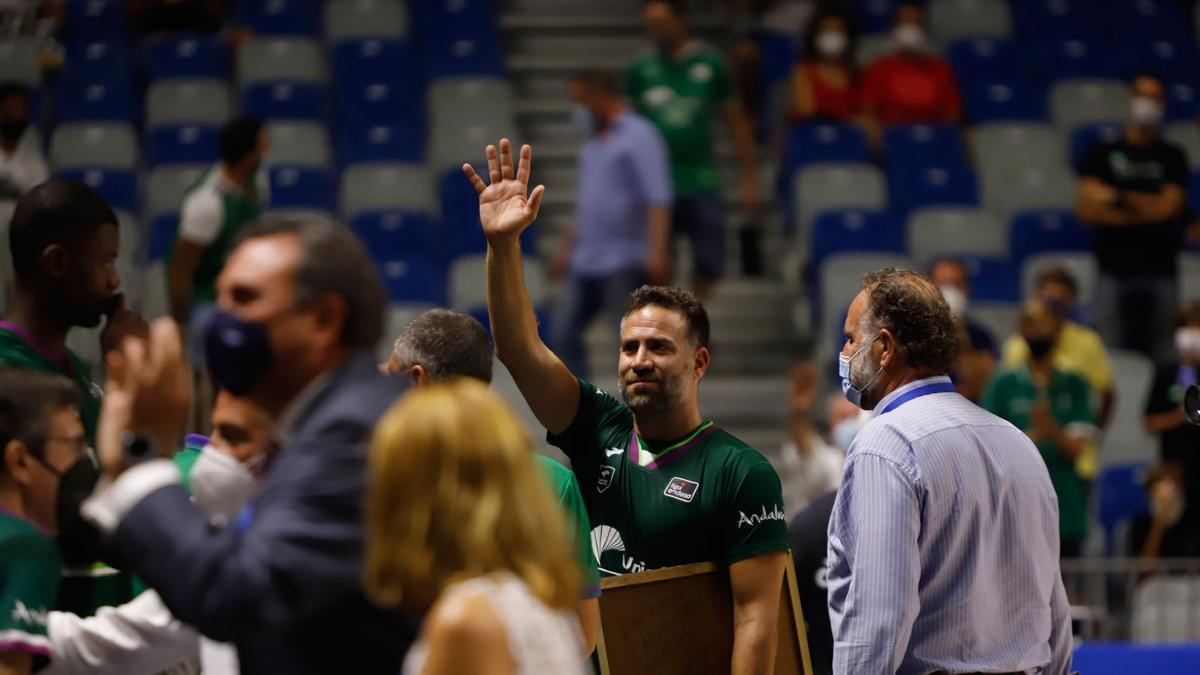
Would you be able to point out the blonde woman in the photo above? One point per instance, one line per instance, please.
(461, 527)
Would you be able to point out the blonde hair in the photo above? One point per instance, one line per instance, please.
(454, 493)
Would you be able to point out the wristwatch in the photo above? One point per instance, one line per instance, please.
(138, 448)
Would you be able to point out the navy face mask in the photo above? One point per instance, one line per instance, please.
(238, 352)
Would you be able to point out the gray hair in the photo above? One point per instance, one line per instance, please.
(447, 344)
(914, 311)
(332, 260)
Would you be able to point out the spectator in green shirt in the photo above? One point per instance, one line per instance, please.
(681, 85)
(1052, 407)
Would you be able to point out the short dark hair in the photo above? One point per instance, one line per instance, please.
(912, 309)
(676, 300)
(447, 344)
(906, 4)
(814, 28)
(10, 88)
(678, 7)
(601, 79)
(27, 399)
(332, 260)
(51, 213)
(950, 260)
(1188, 314)
(1057, 275)
(239, 137)
(1147, 74)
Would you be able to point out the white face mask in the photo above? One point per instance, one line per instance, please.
(1145, 111)
(955, 298)
(221, 485)
(832, 43)
(1187, 342)
(909, 36)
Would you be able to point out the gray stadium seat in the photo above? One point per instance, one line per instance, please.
(1185, 135)
(166, 185)
(156, 300)
(298, 144)
(942, 230)
(172, 102)
(1076, 102)
(354, 19)
(468, 282)
(18, 61)
(1126, 440)
(85, 342)
(1029, 189)
(379, 186)
(1003, 148)
(1081, 265)
(998, 317)
(1166, 609)
(399, 315)
(450, 148)
(841, 280)
(454, 98)
(269, 59)
(837, 185)
(1189, 276)
(954, 19)
(101, 144)
(871, 47)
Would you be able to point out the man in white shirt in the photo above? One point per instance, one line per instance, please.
(22, 164)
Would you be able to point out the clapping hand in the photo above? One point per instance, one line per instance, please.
(506, 206)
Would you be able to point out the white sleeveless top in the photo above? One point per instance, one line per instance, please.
(543, 641)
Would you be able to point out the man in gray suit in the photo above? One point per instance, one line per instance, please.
(300, 307)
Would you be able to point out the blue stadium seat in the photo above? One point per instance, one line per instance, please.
(119, 188)
(380, 143)
(917, 145)
(913, 187)
(1171, 59)
(993, 278)
(1183, 99)
(295, 187)
(474, 16)
(285, 101)
(542, 314)
(855, 230)
(400, 234)
(280, 17)
(413, 278)
(96, 100)
(1076, 58)
(1084, 137)
(187, 55)
(190, 144)
(1037, 20)
(991, 58)
(98, 60)
(1120, 497)
(1034, 232)
(162, 235)
(378, 102)
(1002, 100)
(95, 20)
(460, 217)
(1139, 20)
(779, 53)
(873, 16)
(814, 142)
(461, 54)
(373, 60)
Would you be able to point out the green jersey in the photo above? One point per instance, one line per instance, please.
(18, 349)
(566, 490)
(212, 214)
(707, 497)
(29, 575)
(681, 97)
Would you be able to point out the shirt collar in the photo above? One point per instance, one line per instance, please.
(915, 384)
(290, 418)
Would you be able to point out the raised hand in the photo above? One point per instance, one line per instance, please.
(506, 206)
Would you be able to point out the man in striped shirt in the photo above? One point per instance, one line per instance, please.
(943, 543)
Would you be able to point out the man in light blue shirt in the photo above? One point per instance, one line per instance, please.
(621, 235)
(943, 544)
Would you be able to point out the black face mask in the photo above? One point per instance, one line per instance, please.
(11, 130)
(1039, 346)
(78, 541)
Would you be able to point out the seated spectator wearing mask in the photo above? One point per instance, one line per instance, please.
(142, 636)
(1052, 407)
(825, 79)
(978, 355)
(1164, 532)
(441, 345)
(1179, 442)
(808, 466)
(911, 85)
(45, 452)
(462, 528)
(22, 164)
(1077, 349)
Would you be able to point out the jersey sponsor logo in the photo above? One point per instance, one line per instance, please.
(96, 391)
(613, 451)
(682, 489)
(756, 519)
(29, 617)
(605, 479)
(700, 72)
(606, 539)
(655, 97)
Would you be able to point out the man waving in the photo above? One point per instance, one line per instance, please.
(663, 485)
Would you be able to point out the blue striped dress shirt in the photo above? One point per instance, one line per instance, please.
(943, 546)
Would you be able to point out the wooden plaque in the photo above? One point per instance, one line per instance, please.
(679, 621)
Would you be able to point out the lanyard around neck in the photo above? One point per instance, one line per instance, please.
(925, 390)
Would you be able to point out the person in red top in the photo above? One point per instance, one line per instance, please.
(910, 85)
(825, 80)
